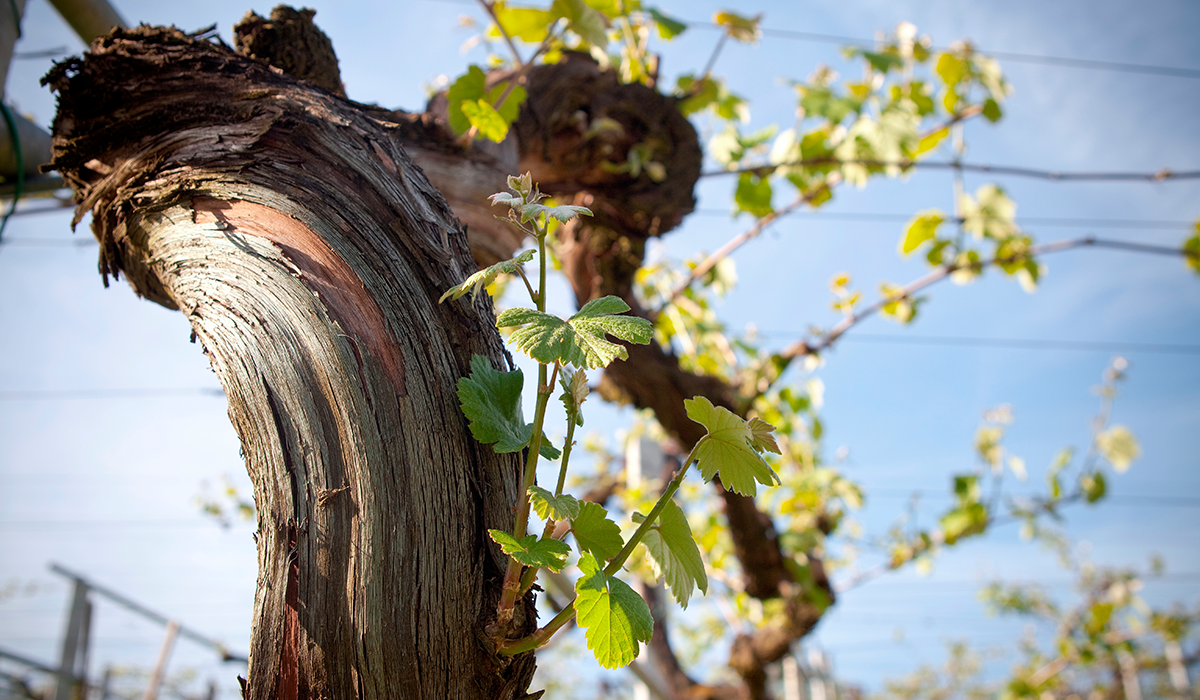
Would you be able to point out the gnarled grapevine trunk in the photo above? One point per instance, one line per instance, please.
(308, 253)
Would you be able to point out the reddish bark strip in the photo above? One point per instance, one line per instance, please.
(322, 269)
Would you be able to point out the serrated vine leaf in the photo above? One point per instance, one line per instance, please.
(762, 436)
(580, 339)
(546, 553)
(613, 616)
(563, 212)
(728, 449)
(674, 554)
(491, 401)
(486, 276)
(551, 507)
(595, 533)
(484, 117)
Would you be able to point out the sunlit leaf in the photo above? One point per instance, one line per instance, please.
(674, 554)
(551, 507)
(589, 24)
(727, 450)
(468, 88)
(595, 533)
(922, 228)
(931, 141)
(531, 551)
(579, 340)
(613, 615)
(484, 117)
(562, 213)
(964, 521)
(762, 436)
(491, 401)
(753, 194)
(486, 276)
(951, 69)
(528, 24)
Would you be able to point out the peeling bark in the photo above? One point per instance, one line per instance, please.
(218, 187)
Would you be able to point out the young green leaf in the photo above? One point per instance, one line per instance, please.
(468, 88)
(727, 450)
(991, 110)
(668, 28)
(575, 392)
(753, 194)
(739, 28)
(551, 507)
(923, 227)
(1191, 250)
(613, 615)
(521, 184)
(964, 521)
(563, 213)
(580, 339)
(1094, 486)
(525, 23)
(762, 436)
(931, 141)
(546, 553)
(491, 401)
(595, 533)
(589, 24)
(484, 117)
(674, 553)
(486, 276)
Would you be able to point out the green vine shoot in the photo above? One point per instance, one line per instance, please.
(615, 618)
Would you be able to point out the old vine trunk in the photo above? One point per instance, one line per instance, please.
(308, 252)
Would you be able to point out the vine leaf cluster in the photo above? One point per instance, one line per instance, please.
(615, 618)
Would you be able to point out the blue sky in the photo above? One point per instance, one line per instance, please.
(107, 487)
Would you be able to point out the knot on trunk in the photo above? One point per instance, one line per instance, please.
(293, 43)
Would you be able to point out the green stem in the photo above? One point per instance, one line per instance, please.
(540, 637)
(530, 574)
(618, 561)
(544, 390)
(513, 580)
(541, 241)
(535, 445)
(566, 455)
(511, 647)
